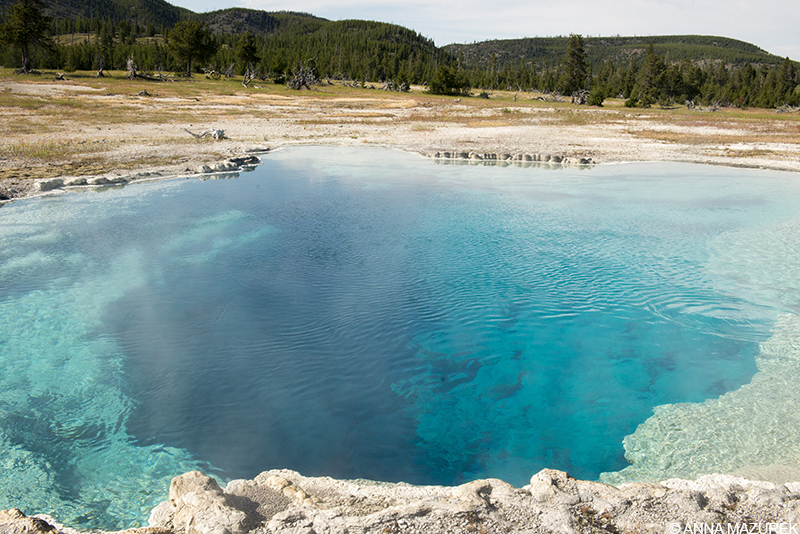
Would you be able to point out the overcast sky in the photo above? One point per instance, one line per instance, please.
(769, 24)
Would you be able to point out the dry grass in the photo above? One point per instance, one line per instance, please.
(724, 131)
(489, 123)
(750, 153)
(85, 166)
(87, 125)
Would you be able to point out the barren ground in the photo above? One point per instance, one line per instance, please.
(92, 126)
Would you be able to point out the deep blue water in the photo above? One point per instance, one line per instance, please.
(363, 313)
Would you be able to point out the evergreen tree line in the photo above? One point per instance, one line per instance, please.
(348, 50)
(370, 52)
(650, 81)
(543, 51)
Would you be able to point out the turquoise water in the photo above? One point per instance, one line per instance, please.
(368, 313)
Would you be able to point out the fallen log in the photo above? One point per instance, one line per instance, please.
(145, 76)
(214, 133)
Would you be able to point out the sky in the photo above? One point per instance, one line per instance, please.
(768, 24)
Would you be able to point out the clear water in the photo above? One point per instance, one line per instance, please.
(368, 313)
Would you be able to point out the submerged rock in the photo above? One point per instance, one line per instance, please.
(49, 184)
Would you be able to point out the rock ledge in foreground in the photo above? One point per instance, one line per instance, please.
(282, 501)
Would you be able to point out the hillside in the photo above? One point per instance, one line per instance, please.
(540, 51)
(642, 70)
(535, 51)
(349, 49)
(156, 12)
(238, 20)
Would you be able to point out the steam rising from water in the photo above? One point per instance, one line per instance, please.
(361, 313)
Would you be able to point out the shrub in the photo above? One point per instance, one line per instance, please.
(597, 96)
(449, 81)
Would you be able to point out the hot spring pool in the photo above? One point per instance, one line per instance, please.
(365, 313)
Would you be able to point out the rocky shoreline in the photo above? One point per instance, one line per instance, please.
(251, 158)
(35, 188)
(84, 146)
(504, 158)
(285, 502)
(242, 157)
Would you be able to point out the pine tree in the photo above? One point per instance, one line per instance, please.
(786, 79)
(449, 80)
(26, 27)
(191, 40)
(648, 87)
(247, 52)
(575, 69)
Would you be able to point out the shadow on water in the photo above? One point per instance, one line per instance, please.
(353, 314)
(318, 349)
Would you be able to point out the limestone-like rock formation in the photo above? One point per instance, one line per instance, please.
(503, 159)
(286, 502)
(15, 522)
(231, 164)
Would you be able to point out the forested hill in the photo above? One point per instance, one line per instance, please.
(156, 36)
(536, 51)
(156, 12)
(238, 20)
(354, 49)
(548, 51)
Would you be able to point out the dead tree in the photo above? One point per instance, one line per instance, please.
(26, 67)
(392, 85)
(303, 76)
(131, 69)
(133, 73)
(786, 108)
(213, 133)
(249, 76)
(580, 97)
(100, 65)
(211, 74)
(229, 71)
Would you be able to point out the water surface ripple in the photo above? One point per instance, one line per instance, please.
(366, 313)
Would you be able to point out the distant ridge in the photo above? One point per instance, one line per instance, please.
(156, 12)
(540, 51)
(534, 51)
(239, 20)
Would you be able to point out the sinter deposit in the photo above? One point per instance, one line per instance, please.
(287, 502)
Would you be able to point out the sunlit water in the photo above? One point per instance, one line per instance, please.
(370, 314)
